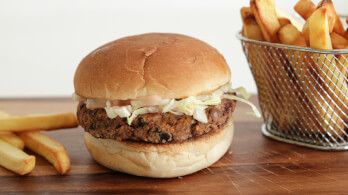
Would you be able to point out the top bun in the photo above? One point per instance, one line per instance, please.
(167, 65)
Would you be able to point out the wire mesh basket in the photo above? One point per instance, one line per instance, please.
(303, 93)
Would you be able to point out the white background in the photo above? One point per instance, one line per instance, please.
(42, 41)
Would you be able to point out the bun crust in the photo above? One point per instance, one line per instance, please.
(167, 65)
(161, 160)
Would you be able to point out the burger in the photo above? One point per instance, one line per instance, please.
(155, 105)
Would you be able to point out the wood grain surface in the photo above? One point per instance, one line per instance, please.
(253, 165)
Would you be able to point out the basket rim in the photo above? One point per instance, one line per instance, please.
(297, 48)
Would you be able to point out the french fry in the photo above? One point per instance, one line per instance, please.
(243, 32)
(50, 149)
(346, 34)
(290, 35)
(283, 21)
(305, 8)
(266, 16)
(319, 30)
(15, 159)
(285, 104)
(4, 114)
(335, 24)
(343, 64)
(251, 29)
(283, 14)
(12, 139)
(305, 31)
(38, 122)
(338, 41)
(335, 81)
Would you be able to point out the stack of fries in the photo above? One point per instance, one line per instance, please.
(318, 79)
(17, 132)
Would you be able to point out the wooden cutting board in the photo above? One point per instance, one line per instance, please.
(253, 165)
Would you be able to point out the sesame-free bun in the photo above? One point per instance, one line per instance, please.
(161, 160)
(163, 64)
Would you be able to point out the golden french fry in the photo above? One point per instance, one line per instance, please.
(38, 122)
(278, 80)
(343, 63)
(305, 8)
(338, 27)
(15, 159)
(4, 114)
(335, 24)
(346, 34)
(47, 147)
(266, 16)
(243, 31)
(251, 29)
(338, 41)
(283, 14)
(290, 35)
(335, 81)
(325, 117)
(283, 21)
(305, 31)
(319, 30)
(12, 139)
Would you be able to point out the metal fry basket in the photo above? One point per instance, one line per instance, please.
(303, 93)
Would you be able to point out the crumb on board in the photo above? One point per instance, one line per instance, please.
(230, 152)
(180, 177)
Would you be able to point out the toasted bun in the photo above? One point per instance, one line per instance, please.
(167, 65)
(160, 160)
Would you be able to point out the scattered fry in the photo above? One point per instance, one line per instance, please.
(12, 139)
(38, 122)
(4, 114)
(15, 159)
(50, 149)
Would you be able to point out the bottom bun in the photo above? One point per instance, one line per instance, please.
(161, 160)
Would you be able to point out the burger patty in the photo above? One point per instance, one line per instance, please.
(154, 127)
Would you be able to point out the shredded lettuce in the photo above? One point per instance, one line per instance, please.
(136, 113)
(242, 91)
(168, 106)
(137, 103)
(193, 105)
(122, 111)
(233, 97)
(199, 114)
